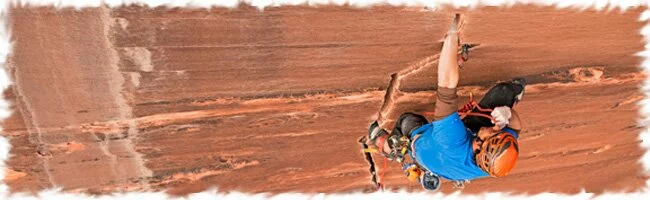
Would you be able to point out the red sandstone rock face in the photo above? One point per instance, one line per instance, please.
(135, 98)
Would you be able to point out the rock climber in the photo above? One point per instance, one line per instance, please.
(479, 140)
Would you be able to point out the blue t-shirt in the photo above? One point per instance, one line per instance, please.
(445, 149)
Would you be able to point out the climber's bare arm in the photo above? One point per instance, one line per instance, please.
(447, 100)
(448, 62)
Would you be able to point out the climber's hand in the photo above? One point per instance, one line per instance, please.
(502, 116)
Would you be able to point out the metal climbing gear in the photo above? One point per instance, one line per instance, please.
(398, 144)
(464, 52)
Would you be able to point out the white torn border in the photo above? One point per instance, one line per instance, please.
(622, 5)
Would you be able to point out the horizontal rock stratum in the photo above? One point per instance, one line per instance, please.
(134, 98)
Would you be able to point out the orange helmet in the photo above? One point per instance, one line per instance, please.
(498, 154)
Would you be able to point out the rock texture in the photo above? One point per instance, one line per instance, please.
(136, 98)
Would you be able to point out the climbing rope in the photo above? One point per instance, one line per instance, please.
(467, 109)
